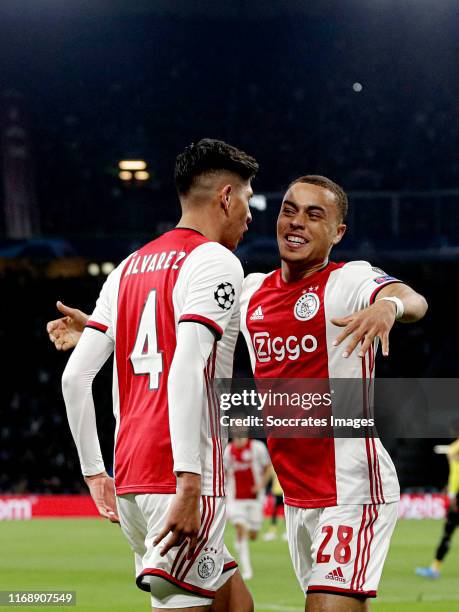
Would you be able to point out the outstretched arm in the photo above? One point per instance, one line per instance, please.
(378, 319)
(65, 332)
(89, 356)
(414, 304)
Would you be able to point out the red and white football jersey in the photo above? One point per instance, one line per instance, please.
(180, 276)
(245, 466)
(289, 334)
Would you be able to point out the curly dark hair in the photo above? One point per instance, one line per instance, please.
(209, 155)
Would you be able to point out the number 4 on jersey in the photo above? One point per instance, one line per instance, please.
(145, 357)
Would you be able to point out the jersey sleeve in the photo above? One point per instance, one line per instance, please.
(185, 388)
(102, 317)
(364, 282)
(262, 454)
(227, 457)
(91, 352)
(212, 288)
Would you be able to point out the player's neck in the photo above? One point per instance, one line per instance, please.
(200, 223)
(297, 271)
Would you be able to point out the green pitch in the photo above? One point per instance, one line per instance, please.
(92, 558)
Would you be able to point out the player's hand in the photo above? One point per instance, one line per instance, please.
(364, 326)
(184, 518)
(102, 491)
(66, 331)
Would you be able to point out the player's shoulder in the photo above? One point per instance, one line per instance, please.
(254, 278)
(252, 282)
(115, 275)
(258, 446)
(358, 270)
(356, 267)
(214, 254)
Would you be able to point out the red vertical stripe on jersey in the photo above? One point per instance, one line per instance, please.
(212, 427)
(218, 477)
(367, 441)
(359, 538)
(181, 552)
(362, 558)
(364, 575)
(183, 547)
(204, 516)
(380, 494)
(372, 439)
(215, 429)
(221, 471)
(202, 540)
(365, 538)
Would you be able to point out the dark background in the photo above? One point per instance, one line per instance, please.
(94, 83)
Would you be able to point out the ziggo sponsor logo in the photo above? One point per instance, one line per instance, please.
(279, 348)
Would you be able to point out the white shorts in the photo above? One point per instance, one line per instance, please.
(173, 581)
(247, 512)
(340, 549)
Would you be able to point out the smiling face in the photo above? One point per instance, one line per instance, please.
(308, 226)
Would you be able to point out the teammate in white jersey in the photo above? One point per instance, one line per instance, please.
(170, 315)
(247, 467)
(340, 494)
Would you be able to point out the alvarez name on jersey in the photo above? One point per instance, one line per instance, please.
(180, 276)
(289, 334)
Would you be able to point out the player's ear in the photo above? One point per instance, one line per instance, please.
(340, 231)
(225, 197)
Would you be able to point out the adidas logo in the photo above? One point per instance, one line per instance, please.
(337, 575)
(257, 314)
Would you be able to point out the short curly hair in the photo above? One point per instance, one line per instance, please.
(209, 155)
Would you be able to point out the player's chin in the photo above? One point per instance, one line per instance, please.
(287, 254)
(236, 242)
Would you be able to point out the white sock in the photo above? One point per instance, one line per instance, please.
(242, 547)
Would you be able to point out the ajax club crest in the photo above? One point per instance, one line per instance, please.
(306, 306)
(206, 566)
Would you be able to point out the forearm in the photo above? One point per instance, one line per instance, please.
(85, 362)
(186, 389)
(414, 304)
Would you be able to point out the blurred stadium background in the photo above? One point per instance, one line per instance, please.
(365, 92)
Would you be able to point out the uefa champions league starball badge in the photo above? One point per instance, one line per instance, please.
(306, 306)
(224, 295)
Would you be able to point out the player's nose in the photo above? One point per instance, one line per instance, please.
(296, 223)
